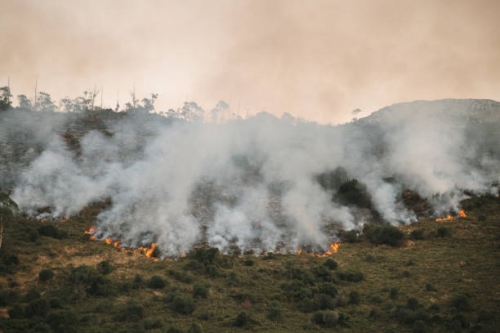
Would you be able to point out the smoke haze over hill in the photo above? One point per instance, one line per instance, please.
(263, 183)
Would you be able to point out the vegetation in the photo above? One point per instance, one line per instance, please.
(431, 284)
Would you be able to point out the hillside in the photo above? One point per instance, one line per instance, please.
(135, 222)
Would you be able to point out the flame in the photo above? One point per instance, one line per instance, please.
(333, 248)
(461, 213)
(65, 220)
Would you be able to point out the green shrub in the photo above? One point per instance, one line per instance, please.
(354, 297)
(328, 288)
(328, 319)
(242, 319)
(195, 328)
(325, 302)
(200, 290)
(102, 286)
(419, 327)
(417, 234)
(153, 323)
(137, 282)
(8, 297)
(461, 303)
(351, 236)
(430, 287)
(55, 303)
(207, 256)
(16, 312)
(38, 307)
(464, 322)
(156, 282)
(444, 232)
(131, 313)
(63, 321)
(181, 276)
(45, 275)
(248, 262)
(32, 294)
(193, 265)
(174, 329)
(385, 234)
(50, 230)
(182, 304)
(412, 304)
(83, 274)
(352, 276)
(275, 311)
(104, 267)
(330, 264)
(393, 293)
(353, 193)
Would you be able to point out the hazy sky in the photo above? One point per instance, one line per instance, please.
(314, 59)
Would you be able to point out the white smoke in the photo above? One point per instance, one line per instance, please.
(253, 184)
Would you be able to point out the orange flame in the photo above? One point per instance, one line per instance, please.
(333, 248)
(461, 213)
(299, 252)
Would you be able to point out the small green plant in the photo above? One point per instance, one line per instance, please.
(352, 276)
(182, 304)
(242, 319)
(330, 264)
(156, 282)
(461, 302)
(417, 234)
(38, 307)
(104, 267)
(354, 297)
(385, 234)
(45, 275)
(393, 293)
(200, 291)
(50, 230)
(275, 311)
(351, 236)
(443, 232)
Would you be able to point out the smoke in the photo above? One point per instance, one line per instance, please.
(263, 183)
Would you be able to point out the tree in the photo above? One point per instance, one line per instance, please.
(5, 98)
(24, 102)
(45, 103)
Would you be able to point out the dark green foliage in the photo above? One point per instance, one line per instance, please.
(248, 262)
(200, 290)
(174, 329)
(156, 282)
(194, 265)
(417, 234)
(275, 311)
(207, 256)
(461, 302)
(393, 293)
(195, 328)
(385, 234)
(325, 302)
(354, 297)
(32, 294)
(45, 275)
(430, 287)
(55, 303)
(352, 276)
(131, 313)
(443, 232)
(376, 299)
(137, 282)
(8, 297)
(16, 312)
(38, 307)
(462, 319)
(104, 267)
(328, 319)
(212, 271)
(328, 288)
(182, 304)
(242, 319)
(330, 264)
(50, 230)
(333, 179)
(150, 323)
(63, 321)
(351, 236)
(83, 275)
(419, 327)
(181, 276)
(102, 286)
(353, 193)
(412, 304)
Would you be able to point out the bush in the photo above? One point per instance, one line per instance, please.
(45, 275)
(351, 236)
(430, 287)
(181, 276)
(330, 264)
(328, 288)
(207, 256)
(195, 328)
(104, 267)
(137, 282)
(444, 232)
(386, 234)
(417, 234)
(354, 297)
(16, 312)
(200, 290)
(150, 323)
(325, 302)
(419, 327)
(156, 282)
(352, 276)
(412, 304)
(242, 319)
(248, 262)
(182, 304)
(32, 294)
(461, 303)
(63, 321)
(275, 311)
(174, 329)
(50, 230)
(83, 275)
(131, 313)
(38, 307)
(102, 286)
(393, 293)
(8, 297)
(328, 318)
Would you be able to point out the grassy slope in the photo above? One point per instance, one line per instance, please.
(467, 263)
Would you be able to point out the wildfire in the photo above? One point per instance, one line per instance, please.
(147, 251)
(333, 248)
(449, 217)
